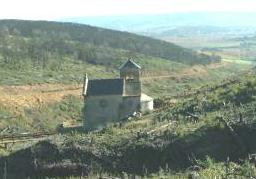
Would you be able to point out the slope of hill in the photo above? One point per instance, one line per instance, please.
(37, 52)
(208, 133)
(90, 42)
(206, 125)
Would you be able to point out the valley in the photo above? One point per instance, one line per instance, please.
(203, 124)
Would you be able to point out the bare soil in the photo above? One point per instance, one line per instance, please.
(36, 95)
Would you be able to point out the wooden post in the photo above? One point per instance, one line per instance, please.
(227, 168)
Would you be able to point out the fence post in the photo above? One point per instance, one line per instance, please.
(227, 168)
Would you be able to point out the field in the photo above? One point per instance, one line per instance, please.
(230, 47)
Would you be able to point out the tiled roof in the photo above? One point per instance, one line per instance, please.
(105, 87)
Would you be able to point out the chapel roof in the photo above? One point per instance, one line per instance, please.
(105, 87)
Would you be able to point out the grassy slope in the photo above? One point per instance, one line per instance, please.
(34, 106)
(172, 139)
(50, 52)
(100, 38)
(168, 136)
(73, 71)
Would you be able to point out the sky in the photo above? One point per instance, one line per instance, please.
(59, 9)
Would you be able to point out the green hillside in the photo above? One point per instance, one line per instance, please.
(208, 133)
(203, 125)
(45, 50)
(58, 36)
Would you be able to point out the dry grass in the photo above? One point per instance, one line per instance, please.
(194, 71)
(17, 97)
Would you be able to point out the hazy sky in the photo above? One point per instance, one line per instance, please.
(57, 9)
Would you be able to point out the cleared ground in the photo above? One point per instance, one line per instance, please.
(35, 95)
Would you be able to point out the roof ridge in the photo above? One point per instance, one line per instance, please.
(131, 62)
(98, 79)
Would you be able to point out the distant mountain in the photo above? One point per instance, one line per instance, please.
(92, 44)
(188, 31)
(156, 24)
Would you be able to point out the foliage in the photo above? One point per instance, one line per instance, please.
(229, 93)
(51, 38)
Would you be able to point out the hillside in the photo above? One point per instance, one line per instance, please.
(203, 123)
(39, 72)
(208, 133)
(53, 52)
(61, 52)
(67, 38)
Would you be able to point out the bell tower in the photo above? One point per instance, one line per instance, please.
(130, 72)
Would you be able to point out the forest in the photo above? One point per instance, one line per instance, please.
(41, 41)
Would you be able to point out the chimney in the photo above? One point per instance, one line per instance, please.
(85, 84)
